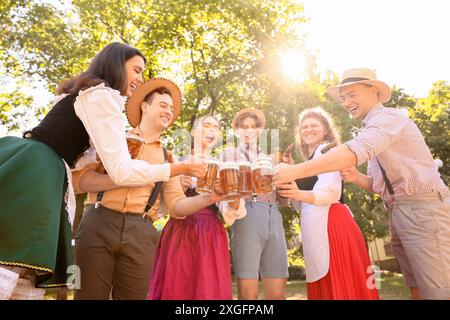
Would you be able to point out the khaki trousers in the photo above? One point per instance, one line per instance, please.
(420, 229)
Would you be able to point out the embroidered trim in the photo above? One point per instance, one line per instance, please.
(24, 265)
(59, 285)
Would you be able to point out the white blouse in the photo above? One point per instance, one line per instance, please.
(100, 110)
(314, 222)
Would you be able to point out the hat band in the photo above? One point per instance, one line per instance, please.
(354, 79)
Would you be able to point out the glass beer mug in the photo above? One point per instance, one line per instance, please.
(134, 144)
(262, 175)
(245, 179)
(229, 176)
(206, 184)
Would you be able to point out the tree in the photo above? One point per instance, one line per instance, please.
(432, 116)
(224, 54)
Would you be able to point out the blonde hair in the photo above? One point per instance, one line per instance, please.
(324, 117)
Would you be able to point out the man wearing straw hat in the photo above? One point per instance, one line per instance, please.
(401, 170)
(116, 240)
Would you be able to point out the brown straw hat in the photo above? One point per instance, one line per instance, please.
(361, 75)
(258, 113)
(133, 105)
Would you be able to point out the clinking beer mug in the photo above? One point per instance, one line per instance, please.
(262, 175)
(205, 185)
(229, 177)
(245, 179)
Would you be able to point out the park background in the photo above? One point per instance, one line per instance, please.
(228, 54)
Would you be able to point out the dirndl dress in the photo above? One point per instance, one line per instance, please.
(35, 231)
(192, 260)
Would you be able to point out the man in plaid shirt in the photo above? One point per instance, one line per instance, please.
(402, 171)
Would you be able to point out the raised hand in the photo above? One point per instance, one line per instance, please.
(287, 155)
(284, 173)
(197, 169)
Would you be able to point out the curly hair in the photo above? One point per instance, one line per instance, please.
(325, 118)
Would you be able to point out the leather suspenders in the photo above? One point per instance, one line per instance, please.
(153, 196)
(386, 180)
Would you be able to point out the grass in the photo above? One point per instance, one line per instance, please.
(392, 287)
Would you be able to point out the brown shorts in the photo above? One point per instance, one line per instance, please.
(420, 230)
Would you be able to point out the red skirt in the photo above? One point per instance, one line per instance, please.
(192, 260)
(350, 276)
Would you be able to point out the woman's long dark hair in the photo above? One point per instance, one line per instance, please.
(107, 67)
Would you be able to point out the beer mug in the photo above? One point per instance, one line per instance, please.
(206, 184)
(245, 179)
(134, 144)
(229, 176)
(262, 175)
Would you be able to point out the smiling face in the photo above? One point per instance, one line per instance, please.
(207, 131)
(134, 68)
(357, 99)
(248, 130)
(158, 113)
(312, 132)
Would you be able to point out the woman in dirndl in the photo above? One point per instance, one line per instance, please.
(192, 260)
(337, 262)
(35, 171)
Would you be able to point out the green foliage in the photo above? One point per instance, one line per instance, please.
(225, 54)
(432, 116)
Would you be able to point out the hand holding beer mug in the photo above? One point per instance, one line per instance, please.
(218, 193)
(262, 175)
(206, 183)
(187, 182)
(197, 170)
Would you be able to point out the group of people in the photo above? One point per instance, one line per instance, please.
(81, 146)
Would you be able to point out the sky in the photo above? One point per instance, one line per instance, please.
(405, 41)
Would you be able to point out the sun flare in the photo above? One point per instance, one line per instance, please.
(293, 63)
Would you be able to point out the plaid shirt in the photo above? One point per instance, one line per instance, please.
(389, 135)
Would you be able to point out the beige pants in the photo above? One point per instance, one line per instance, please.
(18, 283)
(420, 229)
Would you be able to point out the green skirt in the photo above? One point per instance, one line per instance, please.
(35, 232)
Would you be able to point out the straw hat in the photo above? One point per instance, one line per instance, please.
(361, 75)
(133, 106)
(258, 113)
